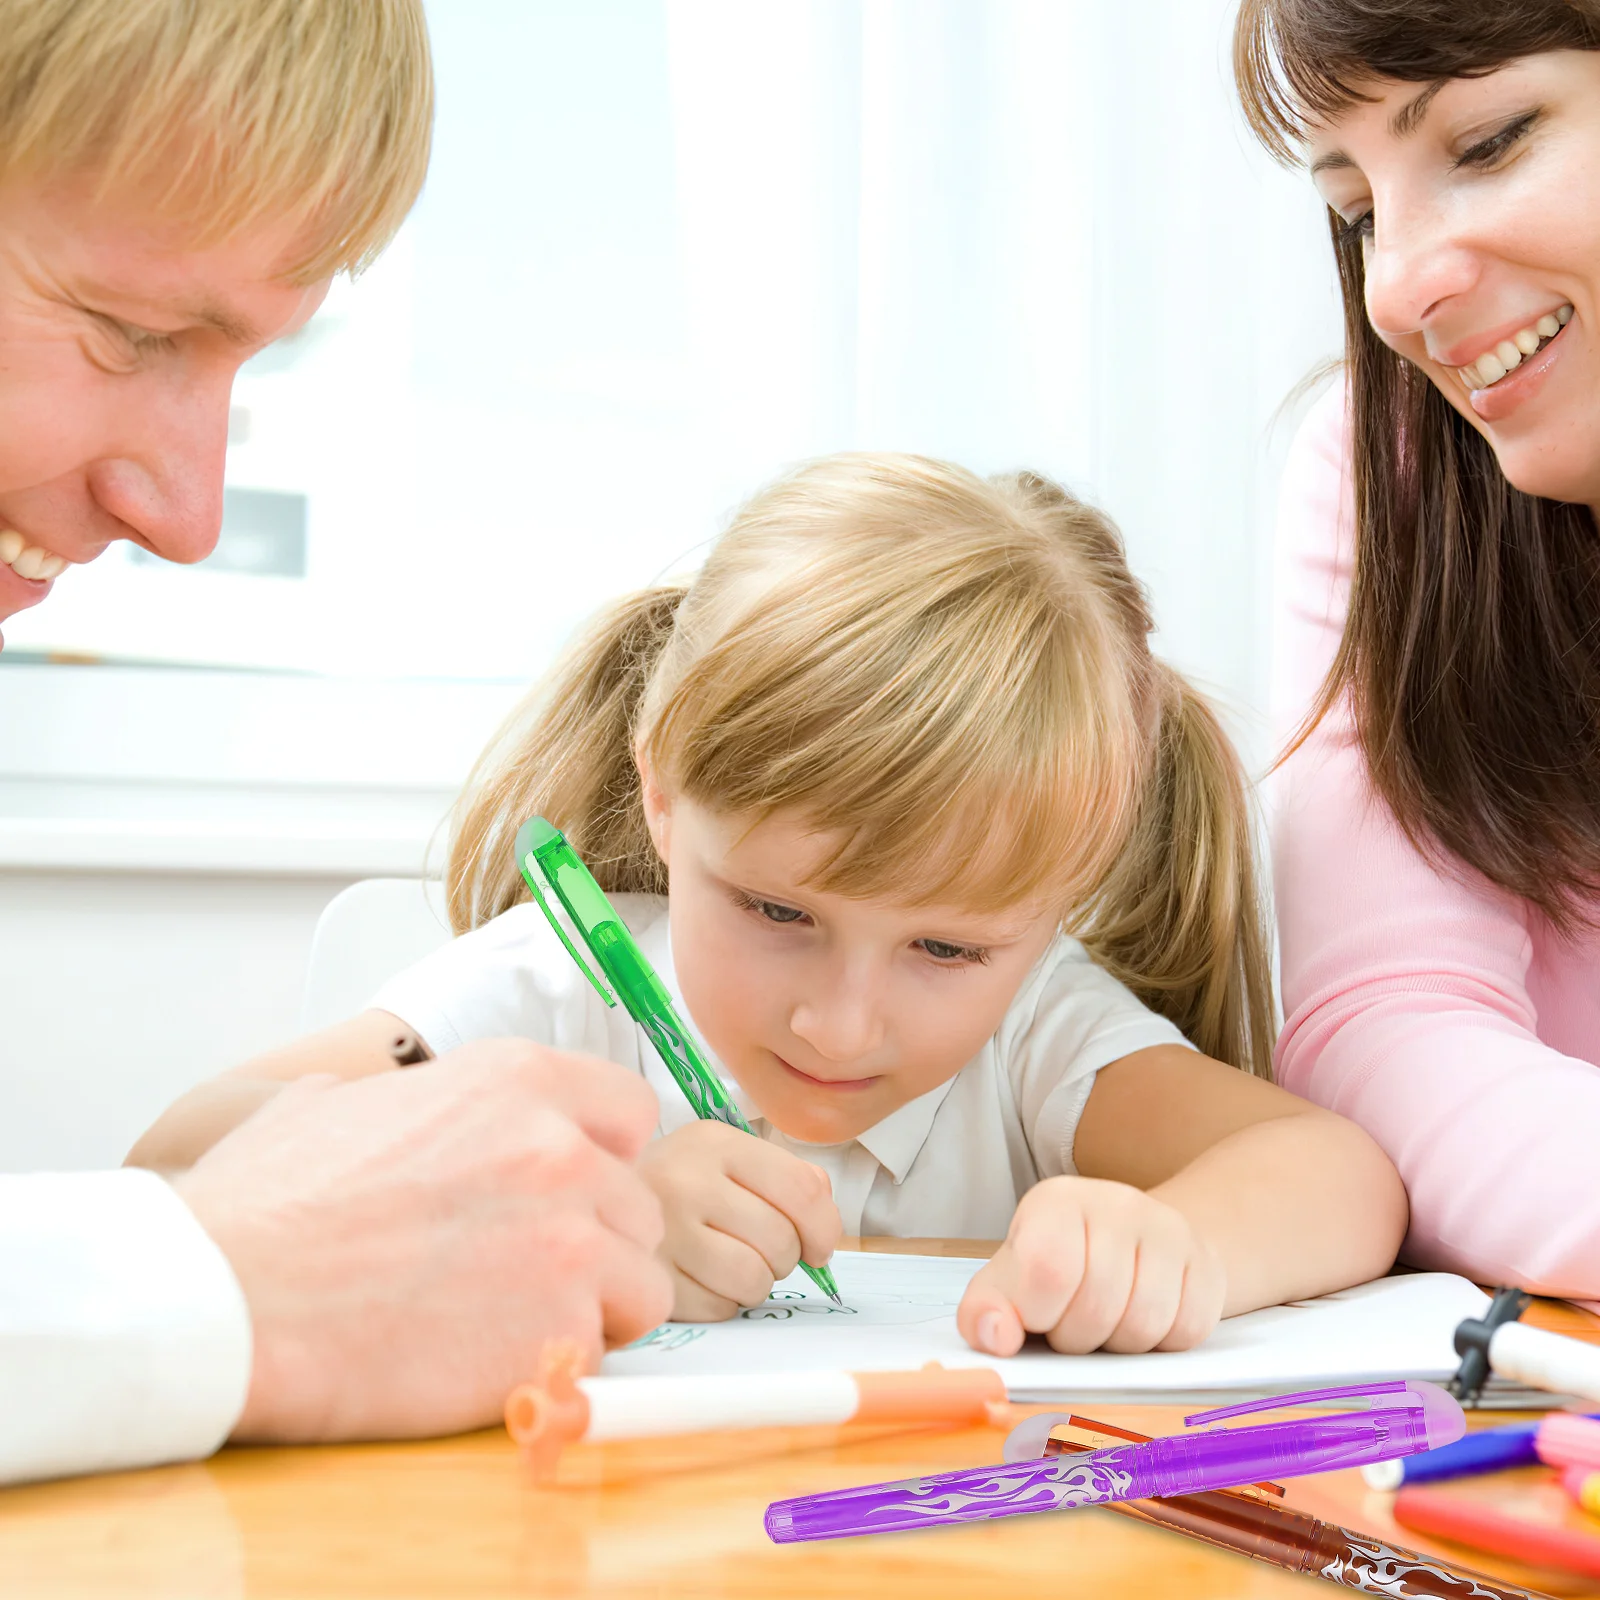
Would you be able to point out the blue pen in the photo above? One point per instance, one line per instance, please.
(1492, 1450)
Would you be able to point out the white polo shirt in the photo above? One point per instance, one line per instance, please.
(952, 1163)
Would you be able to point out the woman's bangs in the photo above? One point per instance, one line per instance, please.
(1284, 81)
(1298, 62)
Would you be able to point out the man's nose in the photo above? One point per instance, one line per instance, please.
(165, 485)
(842, 1020)
(1414, 265)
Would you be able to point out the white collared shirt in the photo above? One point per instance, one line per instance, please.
(952, 1163)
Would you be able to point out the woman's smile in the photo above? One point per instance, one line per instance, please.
(1514, 370)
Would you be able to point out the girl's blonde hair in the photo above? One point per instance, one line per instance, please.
(224, 114)
(950, 677)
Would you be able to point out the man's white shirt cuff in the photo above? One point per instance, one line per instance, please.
(124, 1335)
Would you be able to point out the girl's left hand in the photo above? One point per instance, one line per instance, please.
(1095, 1265)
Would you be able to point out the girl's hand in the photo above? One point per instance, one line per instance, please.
(1094, 1265)
(741, 1213)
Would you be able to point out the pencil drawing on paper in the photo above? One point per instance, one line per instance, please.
(782, 1304)
(880, 1291)
(669, 1336)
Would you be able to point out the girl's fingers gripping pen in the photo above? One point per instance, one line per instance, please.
(823, 1280)
(585, 921)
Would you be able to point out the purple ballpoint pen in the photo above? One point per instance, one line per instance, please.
(1220, 1458)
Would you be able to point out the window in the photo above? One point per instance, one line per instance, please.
(667, 248)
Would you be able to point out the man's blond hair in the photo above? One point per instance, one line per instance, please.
(226, 114)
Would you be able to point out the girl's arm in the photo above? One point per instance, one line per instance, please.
(196, 1121)
(1294, 1200)
(1200, 1192)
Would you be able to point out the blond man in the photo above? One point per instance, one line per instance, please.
(179, 181)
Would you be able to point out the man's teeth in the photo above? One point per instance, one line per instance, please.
(28, 560)
(1507, 356)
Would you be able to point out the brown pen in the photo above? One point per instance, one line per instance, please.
(1246, 1522)
(408, 1050)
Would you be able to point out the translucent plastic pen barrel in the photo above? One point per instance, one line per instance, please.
(1282, 1537)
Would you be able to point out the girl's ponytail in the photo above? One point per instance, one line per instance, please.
(1179, 919)
(566, 753)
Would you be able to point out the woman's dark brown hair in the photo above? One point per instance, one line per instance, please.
(1472, 648)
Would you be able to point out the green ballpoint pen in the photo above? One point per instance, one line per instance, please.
(558, 878)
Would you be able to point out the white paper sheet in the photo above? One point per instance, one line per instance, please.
(900, 1312)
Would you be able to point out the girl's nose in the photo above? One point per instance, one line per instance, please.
(843, 1024)
(1414, 267)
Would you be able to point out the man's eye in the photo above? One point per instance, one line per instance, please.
(140, 341)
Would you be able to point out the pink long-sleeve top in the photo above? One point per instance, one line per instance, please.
(1445, 1016)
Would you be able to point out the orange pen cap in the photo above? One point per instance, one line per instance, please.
(551, 1412)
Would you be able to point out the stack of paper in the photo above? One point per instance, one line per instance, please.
(899, 1311)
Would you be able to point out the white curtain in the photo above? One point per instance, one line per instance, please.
(667, 249)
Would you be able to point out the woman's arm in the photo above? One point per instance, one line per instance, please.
(1407, 1010)
(196, 1121)
(1405, 985)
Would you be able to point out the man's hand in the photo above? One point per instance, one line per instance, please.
(740, 1214)
(407, 1242)
(1095, 1265)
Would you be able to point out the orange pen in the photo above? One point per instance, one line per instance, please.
(561, 1407)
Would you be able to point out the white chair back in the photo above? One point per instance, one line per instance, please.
(365, 935)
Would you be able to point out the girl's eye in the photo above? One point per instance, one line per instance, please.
(1488, 151)
(773, 912)
(953, 954)
(770, 909)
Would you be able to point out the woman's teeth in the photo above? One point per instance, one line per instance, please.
(1508, 355)
(28, 560)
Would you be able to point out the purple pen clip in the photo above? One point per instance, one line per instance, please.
(1441, 1416)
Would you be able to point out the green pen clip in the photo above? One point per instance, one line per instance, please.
(574, 903)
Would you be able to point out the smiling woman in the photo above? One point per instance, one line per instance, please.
(1438, 950)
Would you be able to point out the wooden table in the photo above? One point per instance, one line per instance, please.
(458, 1517)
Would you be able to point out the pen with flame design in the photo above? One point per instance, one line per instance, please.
(1420, 1416)
(1250, 1522)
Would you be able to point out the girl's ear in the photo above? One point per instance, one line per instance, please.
(657, 803)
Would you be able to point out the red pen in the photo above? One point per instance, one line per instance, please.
(1472, 1522)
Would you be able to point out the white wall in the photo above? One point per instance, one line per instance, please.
(1008, 231)
(167, 840)
(123, 989)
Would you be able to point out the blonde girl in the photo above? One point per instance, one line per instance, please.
(953, 878)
